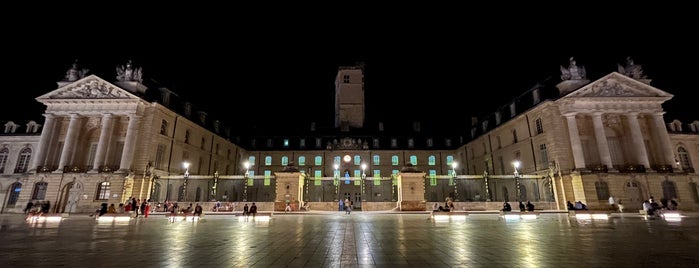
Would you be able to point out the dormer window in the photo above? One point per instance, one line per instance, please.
(346, 79)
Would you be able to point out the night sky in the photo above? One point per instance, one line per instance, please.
(282, 76)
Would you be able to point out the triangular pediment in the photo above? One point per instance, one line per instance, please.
(618, 85)
(90, 87)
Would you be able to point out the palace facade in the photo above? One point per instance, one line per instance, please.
(578, 140)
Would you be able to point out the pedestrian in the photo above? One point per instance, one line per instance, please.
(28, 208)
(612, 203)
(253, 210)
(288, 207)
(340, 205)
(246, 211)
(111, 209)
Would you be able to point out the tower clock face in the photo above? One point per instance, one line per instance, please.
(347, 158)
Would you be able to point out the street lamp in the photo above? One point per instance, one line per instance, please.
(213, 188)
(516, 164)
(247, 174)
(186, 178)
(453, 177)
(363, 181)
(336, 179)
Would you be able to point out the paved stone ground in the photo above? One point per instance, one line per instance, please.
(335, 239)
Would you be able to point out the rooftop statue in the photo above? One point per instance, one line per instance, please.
(75, 73)
(128, 73)
(631, 70)
(573, 72)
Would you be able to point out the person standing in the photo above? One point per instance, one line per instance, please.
(246, 211)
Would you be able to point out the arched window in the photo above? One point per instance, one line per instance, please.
(413, 160)
(251, 160)
(103, 189)
(357, 160)
(40, 190)
(602, 190)
(377, 159)
(156, 192)
(450, 159)
(15, 189)
(522, 192)
(23, 162)
(302, 160)
(180, 194)
(3, 159)
(268, 160)
(285, 160)
(319, 160)
(163, 127)
(197, 197)
(394, 160)
(669, 189)
(431, 160)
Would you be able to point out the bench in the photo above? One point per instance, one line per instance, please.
(114, 217)
(44, 217)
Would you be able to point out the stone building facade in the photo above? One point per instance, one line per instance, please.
(104, 142)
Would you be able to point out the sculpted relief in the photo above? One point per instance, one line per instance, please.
(91, 89)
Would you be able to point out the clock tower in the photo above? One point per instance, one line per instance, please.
(349, 97)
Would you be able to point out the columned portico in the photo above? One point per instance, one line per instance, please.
(668, 156)
(637, 140)
(575, 143)
(130, 142)
(46, 135)
(602, 144)
(69, 143)
(105, 137)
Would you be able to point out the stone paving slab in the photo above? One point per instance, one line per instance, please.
(357, 240)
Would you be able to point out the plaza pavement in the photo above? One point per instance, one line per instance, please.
(361, 239)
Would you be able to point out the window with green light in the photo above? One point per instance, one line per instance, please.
(433, 177)
(377, 159)
(317, 174)
(268, 176)
(431, 160)
(319, 160)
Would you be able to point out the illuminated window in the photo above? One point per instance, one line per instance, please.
(450, 160)
(302, 160)
(431, 160)
(433, 177)
(318, 160)
(268, 160)
(285, 160)
(286, 143)
(377, 159)
(357, 160)
(394, 160)
(413, 160)
(103, 190)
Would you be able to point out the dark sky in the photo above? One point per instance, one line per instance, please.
(284, 74)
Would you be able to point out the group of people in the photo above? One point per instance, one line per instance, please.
(522, 207)
(579, 205)
(653, 208)
(37, 208)
(347, 205)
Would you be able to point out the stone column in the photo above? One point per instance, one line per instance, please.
(575, 144)
(637, 140)
(130, 143)
(46, 136)
(668, 156)
(602, 144)
(69, 143)
(105, 137)
(289, 186)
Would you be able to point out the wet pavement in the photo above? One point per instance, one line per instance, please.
(335, 239)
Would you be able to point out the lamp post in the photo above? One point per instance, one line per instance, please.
(336, 180)
(453, 177)
(186, 178)
(245, 177)
(363, 181)
(516, 164)
(213, 188)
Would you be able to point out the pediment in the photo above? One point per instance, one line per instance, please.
(90, 87)
(618, 85)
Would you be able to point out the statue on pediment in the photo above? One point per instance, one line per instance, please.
(573, 71)
(632, 70)
(75, 73)
(129, 73)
